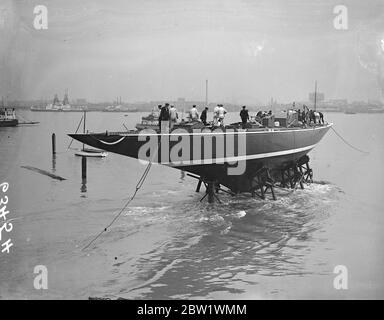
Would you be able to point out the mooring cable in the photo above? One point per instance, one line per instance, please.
(138, 186)
(347, 143)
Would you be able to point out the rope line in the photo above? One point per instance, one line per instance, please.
(138, 186)
(347, 143)
(81, 120)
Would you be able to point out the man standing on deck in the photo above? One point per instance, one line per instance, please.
(203, 116)
(222, 113)
(173, 116)
(305, 114)
(164, 119)
(244, 117)
(194, 114)
(321, 117)
(156, 111)
(216, 115)
(312, 117)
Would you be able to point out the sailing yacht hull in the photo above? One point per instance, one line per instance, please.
(251, 150)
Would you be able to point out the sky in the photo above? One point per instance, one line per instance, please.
(143, 50)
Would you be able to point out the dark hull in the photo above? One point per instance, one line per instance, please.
(274, 149)
(9, 123)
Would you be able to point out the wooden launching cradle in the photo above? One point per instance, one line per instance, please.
(262, 182)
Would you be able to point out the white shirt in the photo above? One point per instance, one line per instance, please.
(222, 112)
(216, 111)
(156, 111)
(173, 113)
(194, 114)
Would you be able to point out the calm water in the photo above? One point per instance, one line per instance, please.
(169, 245)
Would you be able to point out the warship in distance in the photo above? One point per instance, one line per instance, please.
(59, 106)
(270, 151)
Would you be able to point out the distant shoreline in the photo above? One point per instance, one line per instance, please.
(146, 111)
(231, 108)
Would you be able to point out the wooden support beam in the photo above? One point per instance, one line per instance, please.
(199, 185)
(211, 192)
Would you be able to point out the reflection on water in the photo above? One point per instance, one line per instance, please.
(83, 188)
(222, 251)
(54, 163)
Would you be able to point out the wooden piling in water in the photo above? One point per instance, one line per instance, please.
(84, 167)
(53, 143)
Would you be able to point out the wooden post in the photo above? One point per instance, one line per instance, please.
(84, 167)
(199, 185)
(211, 192)
(53, 143)
(85, 115)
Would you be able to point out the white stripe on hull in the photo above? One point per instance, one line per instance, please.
(237, 158)
(112, 143)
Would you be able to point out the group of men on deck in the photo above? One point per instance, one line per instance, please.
(307, 116)
(168, 116)
(219, 113)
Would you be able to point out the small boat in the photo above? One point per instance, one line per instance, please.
(90, 152)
